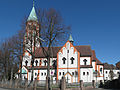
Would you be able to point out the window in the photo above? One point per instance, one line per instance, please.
(76, 73)
(83, 73)
(67, 51)
(73, 73)
(35, 74)
(36, 62)
(45, 62)
(54, 63)
(64, 59)
(85, 62)
(45, 74)
(101, 70)
(26, 62)
(106, 72)
(87, 73)
(59, 73)
(63, 73)
(72, 59)
(41, 74)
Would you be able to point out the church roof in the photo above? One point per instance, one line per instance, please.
(84, 51)
(94, 57)
(32, 15)
(70, 38)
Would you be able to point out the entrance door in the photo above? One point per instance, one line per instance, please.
(69, 78)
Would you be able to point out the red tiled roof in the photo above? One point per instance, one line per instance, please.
(84, 51)
(109, 66)
(94, 57)
(54, 50)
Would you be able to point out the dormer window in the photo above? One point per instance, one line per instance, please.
(45, 62)
(26, 62)
(36, 62)
(64, 59)
(85, 62)
(72, 59)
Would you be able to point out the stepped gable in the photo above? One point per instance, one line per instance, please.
(84, 51)
(95, 58)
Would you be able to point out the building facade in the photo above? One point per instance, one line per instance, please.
(75, 63)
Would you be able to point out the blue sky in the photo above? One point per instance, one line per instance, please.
(93, 22)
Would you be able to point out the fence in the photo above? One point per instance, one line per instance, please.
(42, 85)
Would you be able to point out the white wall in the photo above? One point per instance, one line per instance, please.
(82, 60)
(107, 74)
(28, 58)
(68, 56)
(93, 65)
(86, 77)
(73, 78)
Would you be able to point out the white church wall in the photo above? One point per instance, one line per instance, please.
(82, 60)
(93, 65)
(67, 53)
(72, 77)
(86, 74)
(43, 74)
(37, 59)
(26, 57)
(29, 75)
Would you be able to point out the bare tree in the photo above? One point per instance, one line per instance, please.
(52, 31)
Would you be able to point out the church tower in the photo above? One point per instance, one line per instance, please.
(32, 30)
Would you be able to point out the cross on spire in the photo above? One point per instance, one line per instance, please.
(33, 3)
(32, 15)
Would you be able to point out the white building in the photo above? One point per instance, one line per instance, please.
(110, 69)
(73, 62)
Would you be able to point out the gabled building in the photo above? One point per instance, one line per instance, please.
(75, 63)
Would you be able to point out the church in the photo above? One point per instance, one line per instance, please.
(75, 63)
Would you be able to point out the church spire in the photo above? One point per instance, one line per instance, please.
(32, 16)
(33, 3)
(71, 39)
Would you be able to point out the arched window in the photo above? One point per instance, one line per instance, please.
(45, 62)
(87, 73)
(72, 59)
(26, 62)
(36, 62)
(101, 70)
(54, 63)
(85, 62)
(64, 59)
